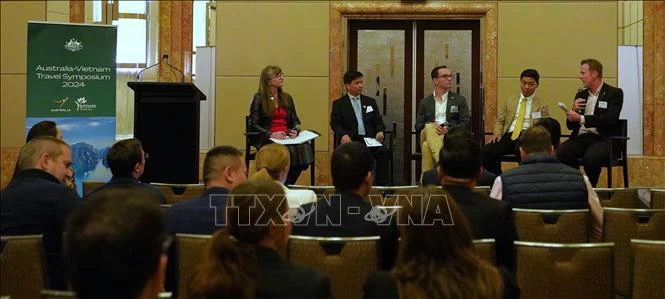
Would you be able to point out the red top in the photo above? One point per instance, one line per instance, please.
(279, 121)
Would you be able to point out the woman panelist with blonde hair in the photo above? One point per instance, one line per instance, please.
(273, 114)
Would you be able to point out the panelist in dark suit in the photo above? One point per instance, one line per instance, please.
(346, 212)
(355, 116)
(273, 114)
(459, 166)
(243, 261)
(594, 119)
(439, 112)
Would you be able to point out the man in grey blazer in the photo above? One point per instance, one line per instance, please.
(438, 112)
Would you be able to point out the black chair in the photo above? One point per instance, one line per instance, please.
(618, 143)
(388, 135)
(250, 149)
(416, 156)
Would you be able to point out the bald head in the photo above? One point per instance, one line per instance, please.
(46, 153)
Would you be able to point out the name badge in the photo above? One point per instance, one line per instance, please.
(602, 104)
(454, 109)
(369, 109)
(536, 115)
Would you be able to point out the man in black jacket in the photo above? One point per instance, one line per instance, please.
(593, 121)
(37, 202)
(346, 213)
(459, 167)
(355, 116)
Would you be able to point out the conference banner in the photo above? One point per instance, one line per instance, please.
(71, 80)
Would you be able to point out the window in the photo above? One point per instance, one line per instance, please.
(132, 18)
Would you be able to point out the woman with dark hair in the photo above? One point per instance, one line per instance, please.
(44, 128)
(243, 261)
(436, 256)
(273, 114)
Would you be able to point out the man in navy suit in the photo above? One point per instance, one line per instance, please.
(355, 116)
(594, 119)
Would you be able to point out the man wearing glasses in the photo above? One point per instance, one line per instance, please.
(126, 159)
(437, 113)
(514, 116)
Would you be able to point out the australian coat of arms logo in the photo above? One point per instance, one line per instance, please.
(73, 45)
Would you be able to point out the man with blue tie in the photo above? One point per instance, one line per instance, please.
(355, 116)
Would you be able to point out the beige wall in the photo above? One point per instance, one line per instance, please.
(630, 22)
(14, 28)
(552, 38)
(57, 11)
(251, 35)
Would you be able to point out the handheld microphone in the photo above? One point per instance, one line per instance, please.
(581, 95)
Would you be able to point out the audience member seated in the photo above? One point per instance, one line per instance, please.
(37, 201)
(127, 159)
(437, 259)
(459, 166)
(48, 128)
(430, 177)
(272, 163)
(542, 182)
(346, 213)
(116, 248)
(243, 261)
(223, 170)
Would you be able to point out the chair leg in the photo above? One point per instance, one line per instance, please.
(609, 176)
(312, 172)
(625, 174)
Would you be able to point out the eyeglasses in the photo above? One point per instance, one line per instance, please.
(447, 76)
(280, 75)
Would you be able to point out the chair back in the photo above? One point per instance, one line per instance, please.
(555, 270)
(53, 294)
(190, 250)
(621, 225)
(89, 186)
(176, 193)
(346, 261)
(658, 198)
(485, 190)
(626, 198)
(22, 266)
(648, 263)
(554, 226)
(485, 248)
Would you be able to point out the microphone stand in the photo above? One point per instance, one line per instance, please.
(165, 59)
